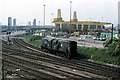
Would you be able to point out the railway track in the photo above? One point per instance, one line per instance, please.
(57, 63)
(12, 60)
(50, 70)
(29, 46)
(74, 64)
(102, 69)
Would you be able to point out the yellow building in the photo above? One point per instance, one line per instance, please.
(76, 25)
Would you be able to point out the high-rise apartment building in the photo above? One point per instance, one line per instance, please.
(9, 21)
(29, 23)
(34, 22)
(14, 22)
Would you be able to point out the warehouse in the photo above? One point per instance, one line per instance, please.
(76, 25)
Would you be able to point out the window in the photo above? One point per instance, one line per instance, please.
(79, 27)
(85, 27)
(73, 27)
(99, 27)
(64, 27)
(61, 45)
(92, 26)
(58, 27)
(103, 27)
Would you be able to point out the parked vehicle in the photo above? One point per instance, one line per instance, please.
(101, 39)
(81, 39)
(94, 38)
(98, 39)
(88, 36)
(66, 36)
(57, 46)
(59, 34)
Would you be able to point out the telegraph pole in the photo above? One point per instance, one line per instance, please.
(112, 34)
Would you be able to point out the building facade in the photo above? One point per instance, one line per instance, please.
(76, 25)
(34, 22)
(109, 35)
(29, 23)
(14, 22)
(9, 21)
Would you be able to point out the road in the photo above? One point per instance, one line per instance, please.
(89, 42)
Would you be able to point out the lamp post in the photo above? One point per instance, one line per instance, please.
(39, 23)
(51, 18)
(70, 17)
(44, 15)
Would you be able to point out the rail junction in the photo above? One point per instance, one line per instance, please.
(29, 62)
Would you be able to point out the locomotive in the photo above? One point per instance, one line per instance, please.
(57, 46)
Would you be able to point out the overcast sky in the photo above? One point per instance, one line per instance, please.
(27, 10)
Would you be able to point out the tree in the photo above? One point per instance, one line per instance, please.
(113, 45)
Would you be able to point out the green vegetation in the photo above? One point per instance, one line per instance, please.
(5, 74)
(110, 54)
(113, 45)
(34, 40)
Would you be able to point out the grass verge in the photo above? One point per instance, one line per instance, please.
(102, 55)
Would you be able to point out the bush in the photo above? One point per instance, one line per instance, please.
(99, 54)
(33, 38)
(113, 45)
(107, 43)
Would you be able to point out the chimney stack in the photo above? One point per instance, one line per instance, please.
(59, 18)
(59, 13)
(74, 16)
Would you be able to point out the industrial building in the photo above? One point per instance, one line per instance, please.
(76, 25)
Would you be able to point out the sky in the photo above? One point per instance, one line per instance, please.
(87, 10)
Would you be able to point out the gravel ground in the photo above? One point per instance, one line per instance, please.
(88, 42)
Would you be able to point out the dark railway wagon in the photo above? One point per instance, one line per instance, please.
(57, 46)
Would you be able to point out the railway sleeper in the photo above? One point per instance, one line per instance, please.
(36, 72)
(31, 65)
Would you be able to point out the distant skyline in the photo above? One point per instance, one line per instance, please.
(87, 10)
